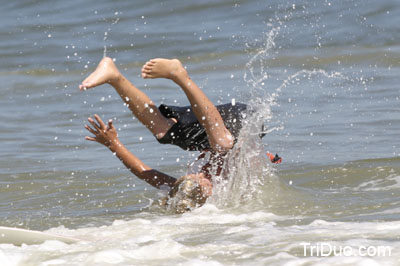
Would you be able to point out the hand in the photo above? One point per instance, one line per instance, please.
(103, 134)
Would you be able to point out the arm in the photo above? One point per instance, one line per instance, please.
(107, 135)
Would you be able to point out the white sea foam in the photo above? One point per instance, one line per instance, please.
(387, 183)
(218, 237)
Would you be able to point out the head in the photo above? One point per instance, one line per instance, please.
(189, 192)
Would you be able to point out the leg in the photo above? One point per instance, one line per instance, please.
(219, 137)
(138, 102)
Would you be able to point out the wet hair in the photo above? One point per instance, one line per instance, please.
(185, 195)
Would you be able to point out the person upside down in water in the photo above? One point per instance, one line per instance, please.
(202, 126)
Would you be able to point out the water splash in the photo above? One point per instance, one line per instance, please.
(116, 20)
(257, 64)
(308, 74)
(246, 168)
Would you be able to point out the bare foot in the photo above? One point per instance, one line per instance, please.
(164, 68)
(106, 72)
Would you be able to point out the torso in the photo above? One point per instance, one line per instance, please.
(213, 166)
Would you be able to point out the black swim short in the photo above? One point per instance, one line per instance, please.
(188, 134)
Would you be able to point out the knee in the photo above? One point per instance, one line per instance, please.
(223, 144)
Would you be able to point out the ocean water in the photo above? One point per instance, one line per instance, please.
(322, 75)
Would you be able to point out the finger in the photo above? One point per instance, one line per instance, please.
(91, 130)
(101, 123)
(90, 138)
(94, 124)
(110, 124)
